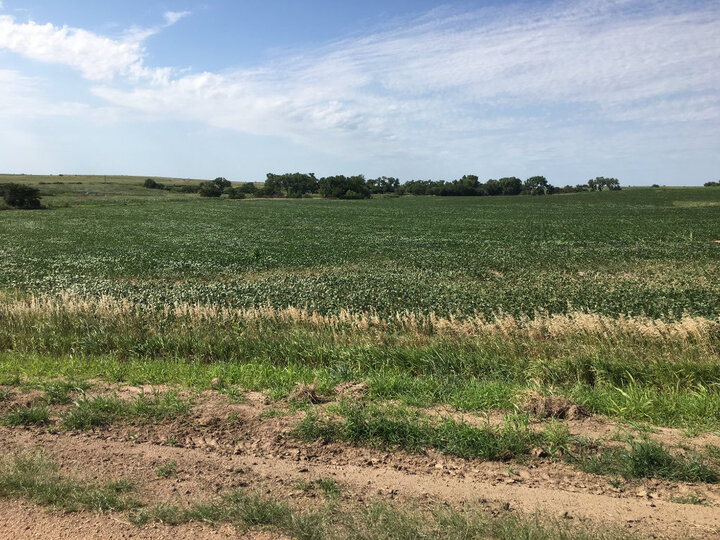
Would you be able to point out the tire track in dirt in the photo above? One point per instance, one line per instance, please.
(366, 474)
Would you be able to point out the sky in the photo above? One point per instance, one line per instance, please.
(414, 89)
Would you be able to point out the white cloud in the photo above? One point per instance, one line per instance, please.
(549, 79)
(96, 57)
(171, 17)
(452, 79)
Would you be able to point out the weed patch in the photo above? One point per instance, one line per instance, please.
(35, 477)
(647, 459)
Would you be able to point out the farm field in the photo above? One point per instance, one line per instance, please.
(412, 367)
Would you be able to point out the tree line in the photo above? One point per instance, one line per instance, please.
(296, 185)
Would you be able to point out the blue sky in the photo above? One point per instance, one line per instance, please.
(413, 89)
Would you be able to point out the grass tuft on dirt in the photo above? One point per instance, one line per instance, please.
(648, 459)
(33, 415)
(99, 411)
(33, 476)
(396, 427)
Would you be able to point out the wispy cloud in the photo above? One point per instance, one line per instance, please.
(445, 83)
(171, 17)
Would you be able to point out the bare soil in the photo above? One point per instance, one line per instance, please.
(225, 445)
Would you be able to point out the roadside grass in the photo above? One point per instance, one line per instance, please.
(377, 520)
(35, 477)
(60, 392)
(101, 411)
(686, 399)
(34, 415)
(647, 459)
(413, 431)
(693, 498)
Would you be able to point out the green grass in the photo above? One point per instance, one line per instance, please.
(391, 427)
(101, 411)
(167, 470)
(378, 520)
(693, 498)
(33, 415)
(35, 477)
(648, 459)
(623, 381)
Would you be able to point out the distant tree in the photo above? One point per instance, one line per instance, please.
(210, 189)
(493, 187)
(222, 183)
(383, 184)
(511, 185)
(289, 185)
(152, 184)
(600, 182)
(247, 187)
(234, 193)
(20, 196)
(712, 184)
(537, 185)
(344, 187)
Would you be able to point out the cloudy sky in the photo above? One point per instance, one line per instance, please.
(406, 88)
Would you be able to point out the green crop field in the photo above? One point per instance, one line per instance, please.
(639, 251)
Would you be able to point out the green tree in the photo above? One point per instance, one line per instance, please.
(20, 196)
(511, 185)
(210, 189)
(537, 185)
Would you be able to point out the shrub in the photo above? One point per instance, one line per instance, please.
(152, 184)
(210, 189)
(234, 193)
(19, 196)
(222, 182)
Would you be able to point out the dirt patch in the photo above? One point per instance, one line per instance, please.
(308, 393)
(351, 390)
(553, 406)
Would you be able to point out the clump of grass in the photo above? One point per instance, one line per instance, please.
(713, 451)
(156, 408)
(648, 459)
(4, 394)
(693, 498)
(370, 425)
(32, 415)
(35, 477)
(60, 392)
(104, 410)
(98, 411)
(240, 509)
(167, 470)
(329, 486)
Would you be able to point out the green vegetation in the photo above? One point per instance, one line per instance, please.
(100, 411)
(649, 459)
(390, 427)
(638, 251)
(27, 416)
(376, 521)
(167, 470)
(35, 477)
(20, 196)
